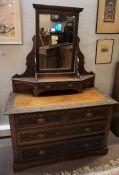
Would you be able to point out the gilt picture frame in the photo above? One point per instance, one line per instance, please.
(104, 51)
(10, 22)
(107, 17)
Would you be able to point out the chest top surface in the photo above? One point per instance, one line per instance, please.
(25, 103)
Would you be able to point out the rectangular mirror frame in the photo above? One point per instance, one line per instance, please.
(45, 9)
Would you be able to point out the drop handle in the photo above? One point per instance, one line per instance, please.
(48, 86)
(89, 114)
(86, 145)
(87, 129)
(42, 153)
(41, 136)
(41, 120)
(70, 85)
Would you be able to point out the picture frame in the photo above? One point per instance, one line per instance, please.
(104, 51)
(10, 22)
(107, 17)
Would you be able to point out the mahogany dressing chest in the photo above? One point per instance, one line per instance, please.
(55, 112)
(51, 128)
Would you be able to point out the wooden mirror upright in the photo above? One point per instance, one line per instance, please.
(55, 61)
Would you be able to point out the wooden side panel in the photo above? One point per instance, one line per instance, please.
(14, 138)
(115, 95)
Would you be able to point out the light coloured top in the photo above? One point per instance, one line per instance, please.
(22, 103)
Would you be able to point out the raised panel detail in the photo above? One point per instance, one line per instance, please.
(60, 132)
(53, 149)
(39, 119)
(85, 114)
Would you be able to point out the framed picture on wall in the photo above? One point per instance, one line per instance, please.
(107, 16)
(104, 51)
(10, 22)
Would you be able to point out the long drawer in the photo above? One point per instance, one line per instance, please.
(48, 134)
(60, 86)
(34, 152)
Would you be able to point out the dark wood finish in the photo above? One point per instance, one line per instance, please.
(21, 166)
(25, 85)
(88, 114)
(60, 127)
(115, 95)
(57, 126)
(39, 119)
(58, 148)
(45, 9)
(36, 81)
(30, 65)
(50, 134)
(54, 9)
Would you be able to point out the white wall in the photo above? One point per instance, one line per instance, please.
(45, 22)
(13, 59)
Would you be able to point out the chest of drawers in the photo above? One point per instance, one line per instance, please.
(47, 129)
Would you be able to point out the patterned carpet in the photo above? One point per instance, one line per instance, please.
(94, 165)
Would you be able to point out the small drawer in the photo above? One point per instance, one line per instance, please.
(60, 86)
(75, 86)
(49, 134)
(85, 114)
(39, 119)
(52, 86)
(36, 152)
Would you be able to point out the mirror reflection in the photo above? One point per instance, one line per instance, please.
(56, 41)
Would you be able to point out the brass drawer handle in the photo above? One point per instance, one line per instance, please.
(89, 114)
(70, 85)
(41, 136)
(87, 129)
(40, 120)
(48, 86)
(86, 145)
(42, 153)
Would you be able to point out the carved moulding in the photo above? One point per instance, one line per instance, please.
(29, 83)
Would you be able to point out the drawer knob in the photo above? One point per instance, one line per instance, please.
(41, 136)
(42, 153)
(87, 129)
(40, 120)
(89, 114)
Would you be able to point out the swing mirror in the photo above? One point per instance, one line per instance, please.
(56, 38)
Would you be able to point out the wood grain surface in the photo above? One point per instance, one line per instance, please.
(87, 96)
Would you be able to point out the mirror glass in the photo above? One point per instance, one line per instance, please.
(56, 41)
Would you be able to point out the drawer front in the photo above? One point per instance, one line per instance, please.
(60, 86)
(39, 119)
(43, 135)
(60, 148)
(85, 114)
